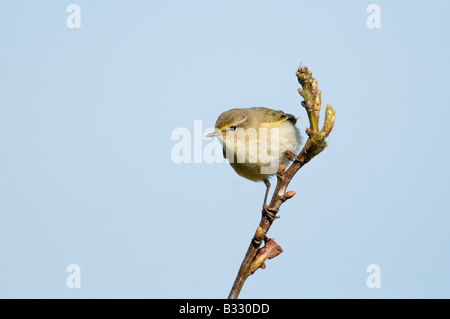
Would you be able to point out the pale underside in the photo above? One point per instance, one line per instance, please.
(264, 151)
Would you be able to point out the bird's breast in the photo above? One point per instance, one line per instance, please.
(257, 154)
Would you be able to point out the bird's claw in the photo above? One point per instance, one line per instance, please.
(270, 213)
(291, 156)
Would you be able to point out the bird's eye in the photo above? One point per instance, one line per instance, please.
(232, 128)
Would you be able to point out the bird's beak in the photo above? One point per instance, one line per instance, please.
(215, 133)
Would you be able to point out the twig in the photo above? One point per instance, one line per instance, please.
(255, 256)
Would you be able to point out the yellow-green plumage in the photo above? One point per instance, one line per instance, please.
(261, 121)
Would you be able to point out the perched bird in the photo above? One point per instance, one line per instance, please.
(257, 140)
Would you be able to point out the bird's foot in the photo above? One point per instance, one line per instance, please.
(270, 213)
(291, 156)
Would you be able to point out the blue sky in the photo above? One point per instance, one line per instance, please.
(87, 178)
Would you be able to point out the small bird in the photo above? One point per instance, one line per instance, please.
(256, 141)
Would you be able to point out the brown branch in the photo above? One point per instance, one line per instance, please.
(255, 256)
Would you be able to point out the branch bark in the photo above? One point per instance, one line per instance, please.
(255, 256)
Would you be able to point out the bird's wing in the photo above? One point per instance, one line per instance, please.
(280, 116)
